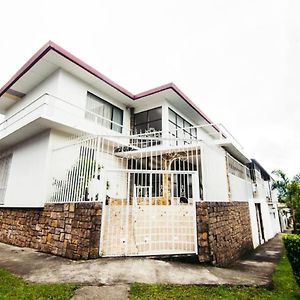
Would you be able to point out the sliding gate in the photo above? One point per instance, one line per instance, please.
(149, 213)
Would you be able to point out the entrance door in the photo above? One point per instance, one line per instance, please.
(153, 218)
(260, 227)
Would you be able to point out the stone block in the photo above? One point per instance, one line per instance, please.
(66, 206)
(54, 223)
(71, 207)
(68, 228)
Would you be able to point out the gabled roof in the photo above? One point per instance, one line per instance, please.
(51, 46)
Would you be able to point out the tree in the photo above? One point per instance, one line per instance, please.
(280, 184)
(289, 193)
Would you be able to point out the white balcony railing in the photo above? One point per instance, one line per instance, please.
(95, 168)
(61, 111)
(237, 169)
(55, 109)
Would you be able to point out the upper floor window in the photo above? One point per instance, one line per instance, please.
(104, 113)
(180, 128)
(147, 121)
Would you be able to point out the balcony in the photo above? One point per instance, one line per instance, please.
(49, 111)
(222, 137)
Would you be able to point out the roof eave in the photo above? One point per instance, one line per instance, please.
(53, 46)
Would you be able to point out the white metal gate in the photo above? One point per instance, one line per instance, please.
(159, 217)
(148, 189)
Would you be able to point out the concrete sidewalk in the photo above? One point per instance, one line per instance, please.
(34, 266)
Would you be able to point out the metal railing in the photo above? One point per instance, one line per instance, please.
(62, 106)
(68, 110)
(236, 168)
(92, 168)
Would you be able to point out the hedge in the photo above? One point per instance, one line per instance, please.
(292, 246)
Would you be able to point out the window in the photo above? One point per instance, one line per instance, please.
(104, 113)
(4, 173)
(147, 121)
(180, 128)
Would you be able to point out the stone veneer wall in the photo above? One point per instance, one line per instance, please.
(224, 231)
(71, 230)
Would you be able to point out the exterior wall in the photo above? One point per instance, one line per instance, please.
(214, 173)
(49, 85)
(273, 209)
(74, 90)
(240, 189)
(224, 231)
(260, 193)
(63, 102)
(69, 230)
(27, 181)
(270, 223)
(267, 222)
(73, 230)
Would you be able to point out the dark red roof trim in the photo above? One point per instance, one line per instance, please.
(52, 46)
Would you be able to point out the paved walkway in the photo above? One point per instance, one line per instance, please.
(34, 266)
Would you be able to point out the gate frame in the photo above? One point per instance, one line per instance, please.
(196, 198)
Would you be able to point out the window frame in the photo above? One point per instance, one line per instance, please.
(148, 120)
(112, 124)
(188, 134)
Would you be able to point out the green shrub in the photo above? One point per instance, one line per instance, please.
(292, 246)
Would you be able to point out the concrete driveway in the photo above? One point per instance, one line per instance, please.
(44, 268)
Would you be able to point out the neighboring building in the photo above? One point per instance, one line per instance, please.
(88, 169)
(285, 217)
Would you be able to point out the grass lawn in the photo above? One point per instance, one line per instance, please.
(285, 288)
(15, 288)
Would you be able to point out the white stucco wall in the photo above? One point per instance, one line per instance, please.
(267, 222)
(49, 85)
(274, 218)
(214, 173)
(74, 90)
(65, 105)
(240, 189)
(28, 173)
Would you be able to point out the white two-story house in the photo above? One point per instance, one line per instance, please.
(72, 135)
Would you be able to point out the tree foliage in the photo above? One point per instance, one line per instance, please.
(289, 193)
(292, 245)
(280, 184)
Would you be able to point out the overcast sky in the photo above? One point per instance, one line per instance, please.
(239, 61)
